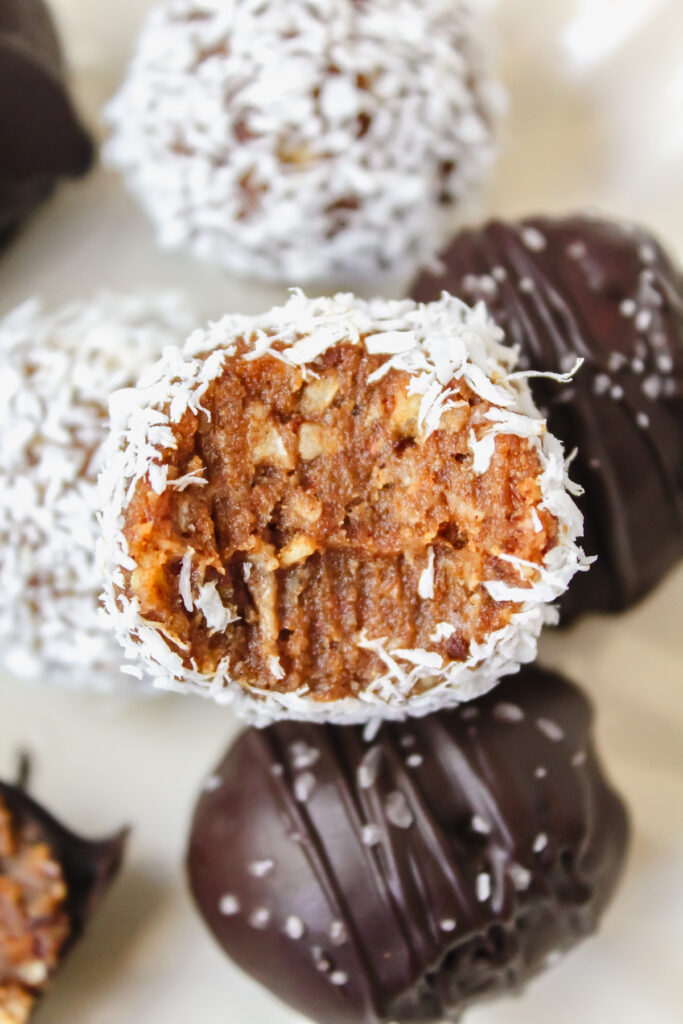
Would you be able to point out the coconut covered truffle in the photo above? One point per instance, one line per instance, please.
(58, 370)
(51, 881)
(337, 509)
(609, 293)
(407, 877)
(314, 139)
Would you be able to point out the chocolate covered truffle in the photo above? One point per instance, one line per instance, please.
(41, 139)
(336, 510)
(402, 878)
(58, 370)
(307, 140)
(51, 881)
(608, 293)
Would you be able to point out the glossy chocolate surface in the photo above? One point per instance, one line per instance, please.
(608, 293)
(41, 138)
(405, 877)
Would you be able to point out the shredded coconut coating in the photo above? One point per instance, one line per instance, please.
(423, 360)
(307, 140)
(58, 371)
(34, 924)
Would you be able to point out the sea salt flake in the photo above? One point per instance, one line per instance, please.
(505, 711)
(294, 928)
(261, 868)
(229, 905)
(321, 962)
(370, 835)
(483, 886)
(550, 729)
(369, 767)
(643, 320)
(303, 755)
(601, 384)
(540, 842)
(397, 810)
(520, 876)
(303, 787)
(260, 918)
(533, 239)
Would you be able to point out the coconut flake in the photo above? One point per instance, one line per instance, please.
(425, 587)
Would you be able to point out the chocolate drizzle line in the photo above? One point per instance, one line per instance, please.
(578, 286)
(450, 866)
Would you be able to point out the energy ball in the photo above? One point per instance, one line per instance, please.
(448, 860)
(609, 293)
(41, 138)
(51, 881)
(335, 510)
(58, 370)
(308, 140)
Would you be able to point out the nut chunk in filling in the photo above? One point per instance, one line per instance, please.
(336, 510)
(34, 924)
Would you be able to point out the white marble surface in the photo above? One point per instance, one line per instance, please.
(596, 119)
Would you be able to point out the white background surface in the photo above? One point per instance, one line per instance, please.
(596, 119)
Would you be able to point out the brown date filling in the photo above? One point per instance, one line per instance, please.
(34, 925)
(321, 507)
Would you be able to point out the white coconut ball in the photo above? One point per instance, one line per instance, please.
(306, 140)
(58, 371)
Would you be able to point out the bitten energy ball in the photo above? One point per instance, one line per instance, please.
(50, 883)
(448, 860)
(606, 292)
(58, 370)
(337, 509)
(41, 139)
(308, 140)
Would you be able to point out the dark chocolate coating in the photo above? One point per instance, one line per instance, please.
(404, 878)
(610, 294)
(41, 138)
(89, 867)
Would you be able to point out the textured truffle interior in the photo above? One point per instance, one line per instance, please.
(34, 923)
(318, 509)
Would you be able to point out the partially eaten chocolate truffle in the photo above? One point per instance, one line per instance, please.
(337, 509)
(50, 882)
(449, 859)
(609, 293)
(41, 138)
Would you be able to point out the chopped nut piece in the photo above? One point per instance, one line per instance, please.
(34, 925)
